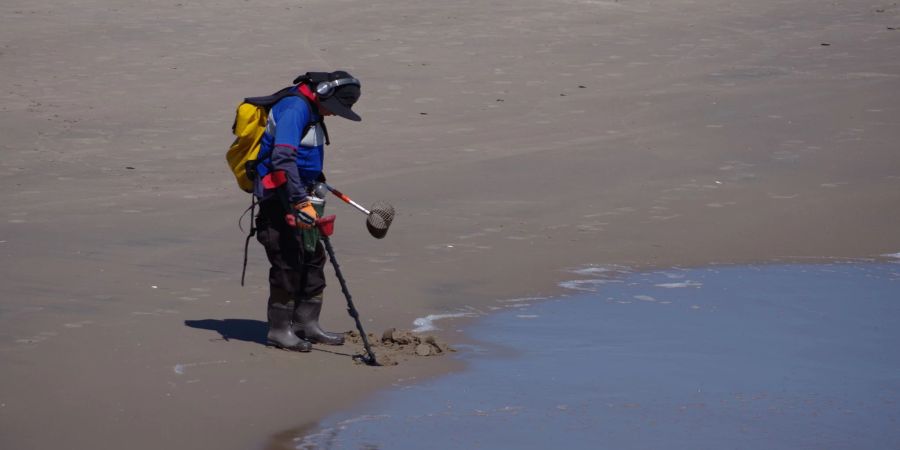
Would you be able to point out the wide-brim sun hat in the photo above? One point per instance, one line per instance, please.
(344, 96)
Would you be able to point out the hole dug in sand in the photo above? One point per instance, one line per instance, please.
(396, 345)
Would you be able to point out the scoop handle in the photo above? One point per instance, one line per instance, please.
(346, 199)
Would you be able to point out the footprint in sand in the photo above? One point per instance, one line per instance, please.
(180, 368)
(522, 238)
(199, 292)
(591, 227)
(459, 247)
(616, 212)
(785, 156)
(38, 338)
(664, 218)
(378, 260)
(157, 312)
(738, 171)
(783, 196)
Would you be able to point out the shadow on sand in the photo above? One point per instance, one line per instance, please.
(237, 329)
(249, 331)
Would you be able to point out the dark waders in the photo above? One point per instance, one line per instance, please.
(324, 228)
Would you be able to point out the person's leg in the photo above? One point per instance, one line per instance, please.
(309, 302)
(285, 278)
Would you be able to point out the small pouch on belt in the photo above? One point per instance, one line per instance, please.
(311, 235)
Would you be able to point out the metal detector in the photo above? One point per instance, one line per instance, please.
(326, 228)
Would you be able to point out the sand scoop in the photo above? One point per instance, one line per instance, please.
(379, 216)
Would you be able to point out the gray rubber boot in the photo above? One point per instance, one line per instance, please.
(306, 322)
(280, 333)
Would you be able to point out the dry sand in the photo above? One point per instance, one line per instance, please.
(515, 138)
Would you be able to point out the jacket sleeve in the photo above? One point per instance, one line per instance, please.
(288, 133)
(284, 158)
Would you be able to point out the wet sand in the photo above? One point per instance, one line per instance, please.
(514, 139)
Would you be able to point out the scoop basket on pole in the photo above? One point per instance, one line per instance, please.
(378, 218)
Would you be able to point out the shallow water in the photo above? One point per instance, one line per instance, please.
(775, 357)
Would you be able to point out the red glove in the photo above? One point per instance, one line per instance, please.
(303, 217)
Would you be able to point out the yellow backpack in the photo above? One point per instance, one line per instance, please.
(249, 126)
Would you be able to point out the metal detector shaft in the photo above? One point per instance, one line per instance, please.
(370, 358)
(346, 199)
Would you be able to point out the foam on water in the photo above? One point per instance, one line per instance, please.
(522, 299)
(606, 271)
(602, 275)
(683, 284)
(586, 285)
(426, 323)
(312, 441)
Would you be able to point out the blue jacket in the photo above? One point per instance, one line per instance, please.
(294, 143)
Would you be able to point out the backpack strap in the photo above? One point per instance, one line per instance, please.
(268, 100)
(312, 77)
(304, 90)
(297, 91)
(325, 130)
(252, 211)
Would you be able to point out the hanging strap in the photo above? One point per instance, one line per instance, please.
(308, 96)
(325, 131)
(252, 210)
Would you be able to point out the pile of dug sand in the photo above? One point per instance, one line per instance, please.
(397, 345)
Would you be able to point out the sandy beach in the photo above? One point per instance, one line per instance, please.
(516, 139)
